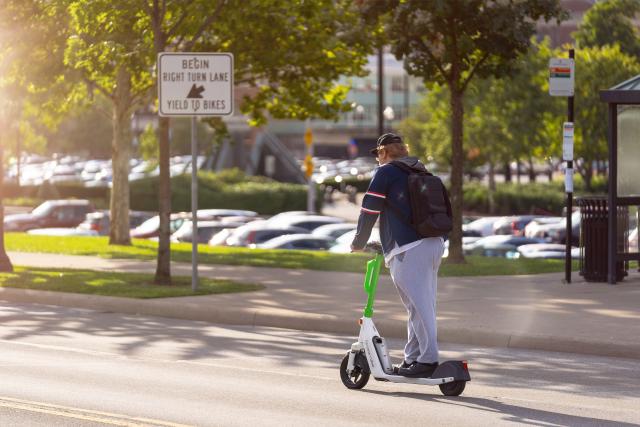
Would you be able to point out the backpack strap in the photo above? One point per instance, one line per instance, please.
(408, 169)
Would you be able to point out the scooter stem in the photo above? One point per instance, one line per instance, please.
(371, 283)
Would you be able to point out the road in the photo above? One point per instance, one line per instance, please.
(61, 366)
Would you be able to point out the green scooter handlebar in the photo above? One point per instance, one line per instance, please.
(371, 283)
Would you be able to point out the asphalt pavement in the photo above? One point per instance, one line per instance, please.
(533, 312)
(67, 366)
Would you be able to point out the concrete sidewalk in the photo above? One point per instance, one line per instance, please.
(534, 312)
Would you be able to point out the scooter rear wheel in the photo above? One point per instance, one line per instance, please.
(454, 388)
(359, 376)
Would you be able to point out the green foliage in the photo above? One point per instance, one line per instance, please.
(294, 259)
(447, 42)
(515, 199)
(507, 119)
(523, 199)
(149, 144)
(228, 190)
(609, 23)
(597, 69)
(127, 285)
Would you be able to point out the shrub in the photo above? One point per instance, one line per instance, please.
(229, 190)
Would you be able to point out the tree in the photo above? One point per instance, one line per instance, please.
(287, 57)
(596, 69)
(450, 42)
(608, 23)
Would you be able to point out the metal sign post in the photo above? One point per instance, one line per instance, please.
(195, 84)
(562, 83)
(308, 172)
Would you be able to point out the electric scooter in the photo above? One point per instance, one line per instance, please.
(370, 356)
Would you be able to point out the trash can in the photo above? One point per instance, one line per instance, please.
(594, 238)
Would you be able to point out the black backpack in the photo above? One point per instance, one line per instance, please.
(431, 214)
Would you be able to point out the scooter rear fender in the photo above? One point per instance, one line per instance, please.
(452, 368)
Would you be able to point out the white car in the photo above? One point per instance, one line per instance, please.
(298, 241)
(333, 230)
(62, 232)
(308, 222)
(343, 243)
(482, 227)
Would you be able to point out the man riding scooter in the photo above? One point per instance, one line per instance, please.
(413, 259)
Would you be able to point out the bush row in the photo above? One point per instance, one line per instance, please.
(509, 198)
(260, 195)
(230, 189)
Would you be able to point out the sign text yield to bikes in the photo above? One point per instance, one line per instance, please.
(195, 84)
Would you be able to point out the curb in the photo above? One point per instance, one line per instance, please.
(312, 322)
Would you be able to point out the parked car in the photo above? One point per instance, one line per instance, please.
(289, 214)
(546, 251)
(481, 227)
(61, 232)
(333, 230)
(513, 225)
(99, 221)
(259, 232)
(531, 229)
(298, 241)
(342, 244)
(308, 222)
(556, 232)
(497, 246)
(206, 230)
(151, 227)
(52, 213)
(213, 214)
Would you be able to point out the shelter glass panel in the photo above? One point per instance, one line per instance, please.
(628, 151)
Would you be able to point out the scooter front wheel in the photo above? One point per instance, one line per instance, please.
(454, 388)
(360, 374)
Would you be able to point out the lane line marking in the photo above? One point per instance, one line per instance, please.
(83, 414)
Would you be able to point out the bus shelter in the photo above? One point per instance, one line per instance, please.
(624, 168)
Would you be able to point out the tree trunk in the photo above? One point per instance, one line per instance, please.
(492, 187)
(518, 170)
(532, 172)
(163, 267)
(507, 172)
(5, 262)
(457, 117)
(121, 153)
(588, 176)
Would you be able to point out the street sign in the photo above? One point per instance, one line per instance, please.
(568, 180)
(561, 76)
(195, 84)
(567, 141)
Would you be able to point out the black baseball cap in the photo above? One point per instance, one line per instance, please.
(386, 139)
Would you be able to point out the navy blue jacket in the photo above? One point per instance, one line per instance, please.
(389, 186)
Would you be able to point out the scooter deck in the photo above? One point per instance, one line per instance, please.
(409, 380)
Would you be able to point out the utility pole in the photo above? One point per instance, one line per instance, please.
(380, 90)
(569, 232)
(308, 163)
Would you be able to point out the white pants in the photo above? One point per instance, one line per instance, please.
(415, 274)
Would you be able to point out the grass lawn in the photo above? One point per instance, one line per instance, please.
(313, 260)
(130, 285)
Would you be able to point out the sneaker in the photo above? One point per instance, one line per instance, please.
(418, 370)
(403, 365)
